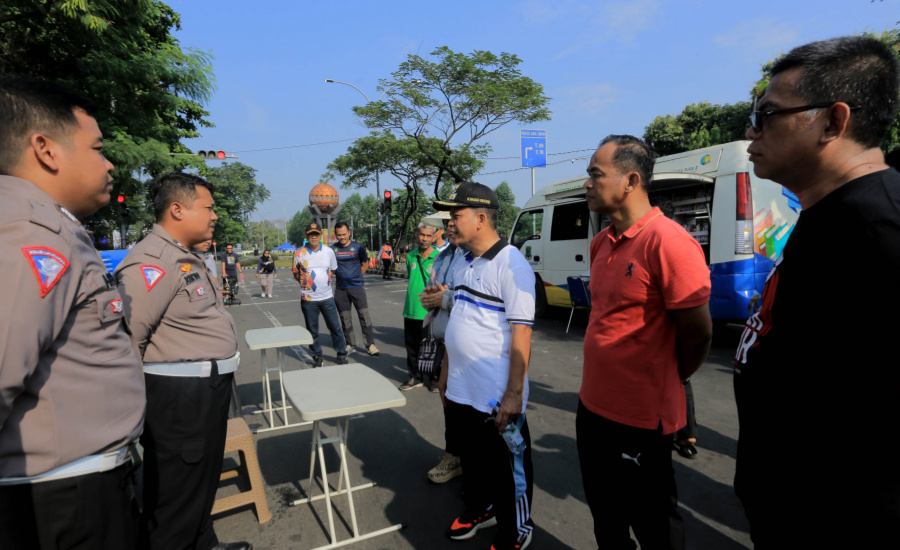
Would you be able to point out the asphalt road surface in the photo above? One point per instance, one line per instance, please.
(396, 447)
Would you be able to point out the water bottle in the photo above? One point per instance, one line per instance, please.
(511, 435)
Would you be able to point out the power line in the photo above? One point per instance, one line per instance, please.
(529, 168)
(548, 154)
(293, 146)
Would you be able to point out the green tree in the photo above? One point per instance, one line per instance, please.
(891, 38)
(436, 111)
(296, 229)
(264, 234)
(506, 214)
(236, 193)
(382, 151)
(408, 211)
(149, 92)
(358, 212)
(449, 103)
(698, 125)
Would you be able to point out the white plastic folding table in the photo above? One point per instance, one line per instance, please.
(279, 338)
(339, 392)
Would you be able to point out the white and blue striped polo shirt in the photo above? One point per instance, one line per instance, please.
(492, 291)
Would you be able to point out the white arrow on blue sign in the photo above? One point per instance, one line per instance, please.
(534, 148)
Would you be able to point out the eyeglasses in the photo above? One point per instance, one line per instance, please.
(757, 117)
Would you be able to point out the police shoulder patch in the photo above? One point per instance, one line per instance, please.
(48, 266)
(152, 274)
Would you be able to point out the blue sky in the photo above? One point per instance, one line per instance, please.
(609, 67)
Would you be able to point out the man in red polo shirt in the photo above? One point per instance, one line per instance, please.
(649, 329)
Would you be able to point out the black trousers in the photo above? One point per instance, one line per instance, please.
(413, 334)
(385, 269)
(355, 295)
(184, 447)
(690, 430)
(494, 478)
(629, 482)
(88, 512)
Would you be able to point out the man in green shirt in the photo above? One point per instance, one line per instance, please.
(419, 266)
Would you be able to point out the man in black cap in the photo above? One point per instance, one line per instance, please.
(488, 343)
(313, 266)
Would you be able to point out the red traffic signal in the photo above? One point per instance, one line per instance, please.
(387, 195)
(120, 199)
(387, 202)
(214, 155)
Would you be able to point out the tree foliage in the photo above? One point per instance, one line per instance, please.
(702, 124)
(892, 39)
(455, 99)
(506, 214)
(236, 193)
(296, 232)
(428, 128)
(698, 125)
(149, 91)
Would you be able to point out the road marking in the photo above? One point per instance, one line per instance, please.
(274, 320)
(301, 353)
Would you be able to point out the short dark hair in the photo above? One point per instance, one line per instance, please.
(632, 155)
(175, 187)
(857, 70)
(29, 106)
(339, 225)
(491, 214)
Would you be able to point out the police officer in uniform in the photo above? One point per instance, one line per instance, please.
(189, 346)
(71, 393)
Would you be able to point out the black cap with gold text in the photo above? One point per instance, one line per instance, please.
(469, 194)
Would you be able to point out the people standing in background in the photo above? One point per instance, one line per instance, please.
(684, 439)
(210, 259)
(313, 265)
(439, 242)
(438, 299)
(350, 290)
(419, 265)
(386, 254)
(266, 273)
(231, 265)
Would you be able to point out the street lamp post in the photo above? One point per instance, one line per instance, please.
(377, 183)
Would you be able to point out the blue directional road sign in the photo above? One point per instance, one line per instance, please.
(534, 148)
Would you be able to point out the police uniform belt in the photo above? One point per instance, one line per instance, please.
(88, 465)
(196, 369)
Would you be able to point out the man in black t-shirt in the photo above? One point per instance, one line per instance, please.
(816, 376)
(231, 265)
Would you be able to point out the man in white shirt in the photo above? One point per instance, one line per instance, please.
(488, 342)
(313, 266)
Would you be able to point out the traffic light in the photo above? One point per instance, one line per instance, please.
(123, 208)
(211, 155)
(387, 202)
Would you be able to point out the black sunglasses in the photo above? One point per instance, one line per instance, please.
(757, 117)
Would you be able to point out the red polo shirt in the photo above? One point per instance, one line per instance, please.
(630, 359)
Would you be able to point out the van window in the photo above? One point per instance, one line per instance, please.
(528, 227)
(570, 221)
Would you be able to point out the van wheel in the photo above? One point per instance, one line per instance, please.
(540, 297)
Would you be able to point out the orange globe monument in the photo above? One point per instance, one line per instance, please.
(324, 205)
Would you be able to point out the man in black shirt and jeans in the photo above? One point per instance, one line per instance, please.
(816, 374)
(231, 265)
